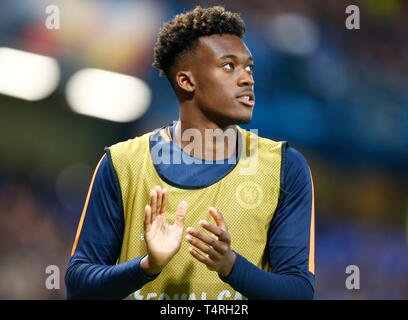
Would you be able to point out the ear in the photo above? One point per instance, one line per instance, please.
(185, 80)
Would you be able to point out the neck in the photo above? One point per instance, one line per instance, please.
(204, 139)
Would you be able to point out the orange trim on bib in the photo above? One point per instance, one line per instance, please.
(164, 135)
(312, 232)
(168, 132)
(81, 221)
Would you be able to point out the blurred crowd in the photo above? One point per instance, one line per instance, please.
(337, 95)
(32, 237)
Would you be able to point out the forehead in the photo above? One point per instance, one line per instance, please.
(216, 46)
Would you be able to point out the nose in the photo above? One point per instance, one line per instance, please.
(245, 79)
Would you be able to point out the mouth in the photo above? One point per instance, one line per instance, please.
(247, 98)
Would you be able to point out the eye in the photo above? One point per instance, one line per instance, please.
(250, 68)
(229, 66)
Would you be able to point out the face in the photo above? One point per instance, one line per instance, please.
(224, 86)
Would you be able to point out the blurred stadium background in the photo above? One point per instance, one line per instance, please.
(343, 92)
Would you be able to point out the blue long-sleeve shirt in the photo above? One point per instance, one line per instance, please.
(92, 272)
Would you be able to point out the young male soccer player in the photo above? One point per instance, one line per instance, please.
(204, 227)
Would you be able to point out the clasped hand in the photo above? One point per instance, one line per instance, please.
(163, 240)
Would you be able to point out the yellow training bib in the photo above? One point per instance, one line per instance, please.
(247, 197)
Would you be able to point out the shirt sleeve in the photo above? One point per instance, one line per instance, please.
(290, 249)
(92, 271)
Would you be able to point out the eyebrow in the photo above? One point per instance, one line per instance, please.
(232, 56)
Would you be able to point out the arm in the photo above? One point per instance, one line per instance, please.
(92, 272)
(289, 243)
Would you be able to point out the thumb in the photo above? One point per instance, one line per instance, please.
(181, 213)
(218, 218)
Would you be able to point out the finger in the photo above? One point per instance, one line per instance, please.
(147, 219)
(206, 238)
(206, 260)
(163, 202)
(217, 231)
(181, 213)
(214, 255)
(153, 204)
(159, 199)
(218, 218)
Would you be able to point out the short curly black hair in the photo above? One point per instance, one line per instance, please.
(182, 33)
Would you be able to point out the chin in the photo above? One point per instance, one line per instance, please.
(235, 119)
(244, 120)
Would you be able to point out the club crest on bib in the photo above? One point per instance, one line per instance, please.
(249, 195)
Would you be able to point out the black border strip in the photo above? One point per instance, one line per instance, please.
(282, 188)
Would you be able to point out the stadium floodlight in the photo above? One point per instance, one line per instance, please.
(27, 75)
(108, 95)
(294, 34)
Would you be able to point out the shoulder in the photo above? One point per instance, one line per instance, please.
(104, 180)
(124, 151)
(295, 159)
(292, 157)
(295, 168)
(253, 134)
(130, 144)
(253, 143)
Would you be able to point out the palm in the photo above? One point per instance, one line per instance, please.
(163, 240)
